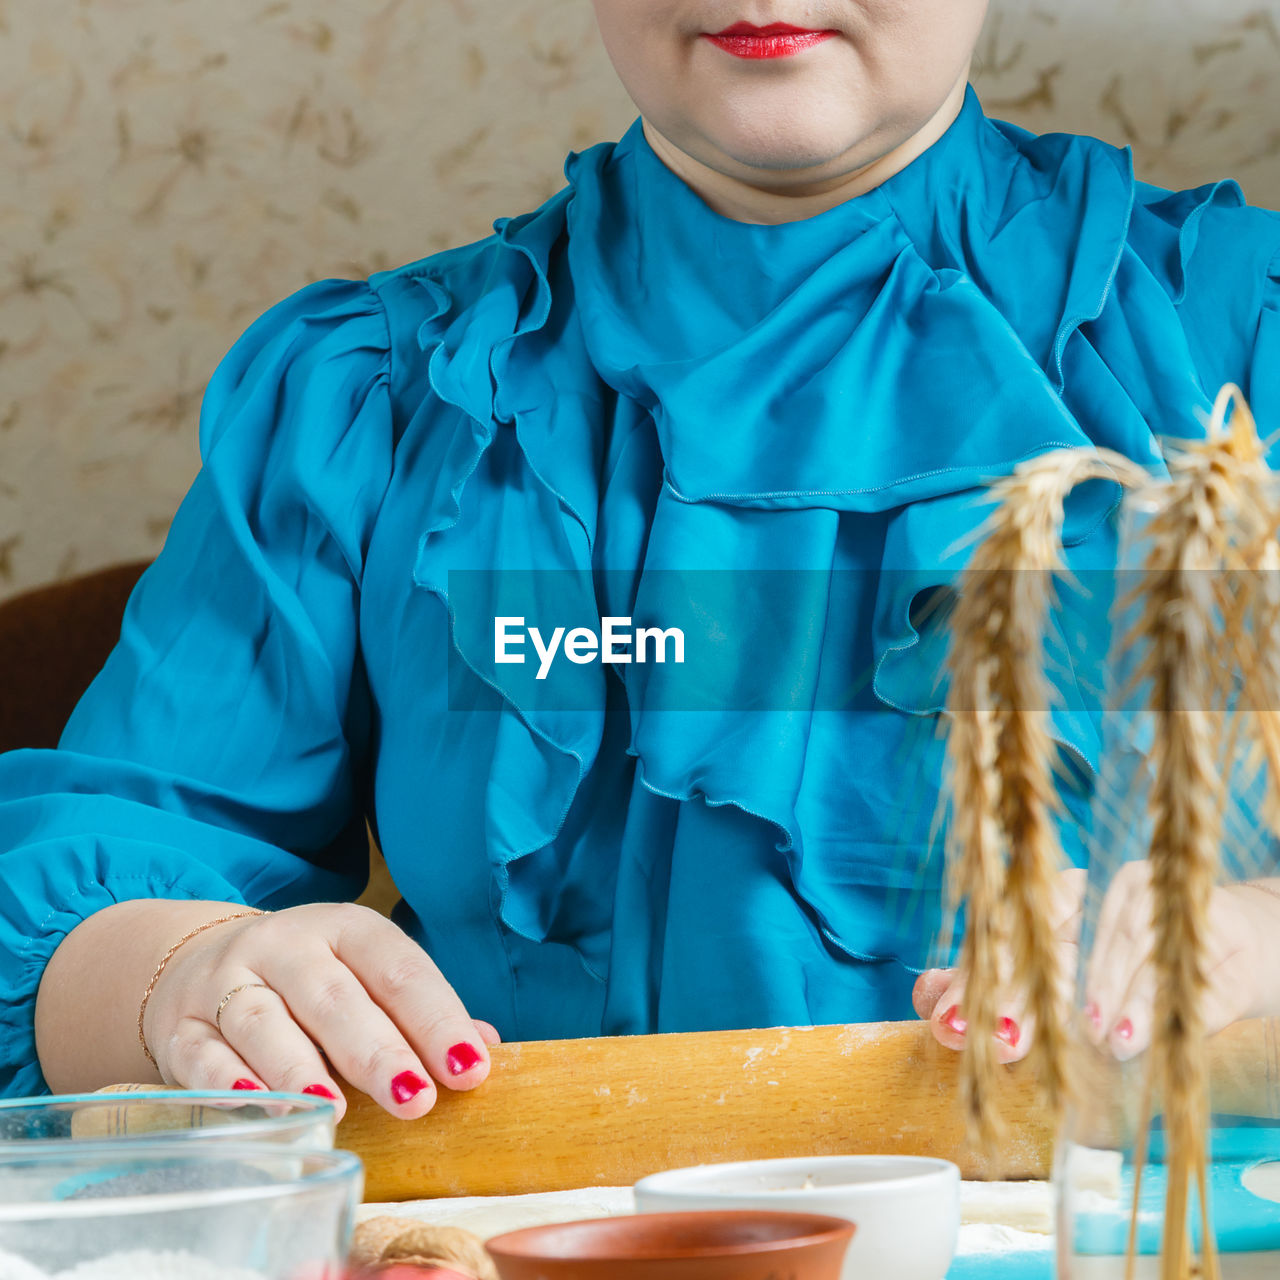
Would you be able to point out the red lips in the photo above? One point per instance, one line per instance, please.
(777, 40)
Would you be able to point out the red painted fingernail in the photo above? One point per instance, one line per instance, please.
(406, 1086)
(319, 1091)
(1093, 1013)
(247, 1084)
(462, 1057)
(1124, 1029)
(953, 1020)
(1008, 1032)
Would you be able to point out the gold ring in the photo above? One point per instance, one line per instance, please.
(222, 1004)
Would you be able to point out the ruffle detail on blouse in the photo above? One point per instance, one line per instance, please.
(737, 728)
(943, 248)
(913, 608)
(461, 339)
(496, 308)
(1170, 232)
(1112, 409)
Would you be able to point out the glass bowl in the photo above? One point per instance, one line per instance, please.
(252, 1211)
(1117, 1168)
(289, 1119)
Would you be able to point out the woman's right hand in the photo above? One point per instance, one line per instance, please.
(319, 989)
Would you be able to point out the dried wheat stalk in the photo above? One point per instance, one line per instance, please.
(1252, 605)
(1216, 513)
(1261, 668)
(1003, 847)
(1186, 802)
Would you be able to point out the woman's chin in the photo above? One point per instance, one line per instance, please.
(791, 145)
(787, 131)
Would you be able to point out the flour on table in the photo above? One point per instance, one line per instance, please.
(990, 1237)
(13, 1267)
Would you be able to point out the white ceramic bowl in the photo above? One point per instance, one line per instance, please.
(906, 1208)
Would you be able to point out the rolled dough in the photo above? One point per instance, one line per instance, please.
(1022, 1207)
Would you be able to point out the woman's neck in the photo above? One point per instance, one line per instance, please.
(784, 201)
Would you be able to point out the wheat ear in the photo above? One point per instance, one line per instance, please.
(1252, 608)
(1178, 632)
(1003, 844)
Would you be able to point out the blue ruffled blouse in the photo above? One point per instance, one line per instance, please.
(620, 384)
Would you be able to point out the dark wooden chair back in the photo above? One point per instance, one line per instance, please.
(53, 641)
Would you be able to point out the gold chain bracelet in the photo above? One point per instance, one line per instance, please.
(164, 960)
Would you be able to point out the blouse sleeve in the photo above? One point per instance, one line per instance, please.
(221, 752)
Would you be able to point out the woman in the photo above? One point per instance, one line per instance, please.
(792, 321)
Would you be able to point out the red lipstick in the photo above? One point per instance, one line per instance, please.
(777, 40)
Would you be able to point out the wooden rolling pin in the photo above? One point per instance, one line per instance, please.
(561, 1114)
(558, 1115)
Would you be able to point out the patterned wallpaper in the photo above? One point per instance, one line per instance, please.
(170, 168)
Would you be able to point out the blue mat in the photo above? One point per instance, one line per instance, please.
(1242, 1221)
(1034, 1264)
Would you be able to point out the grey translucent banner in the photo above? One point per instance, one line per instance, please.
(802, 640)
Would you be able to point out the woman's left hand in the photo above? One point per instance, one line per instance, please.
(1243, 968)
(1240, 961)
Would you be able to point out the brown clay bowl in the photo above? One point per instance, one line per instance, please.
(722, 1244)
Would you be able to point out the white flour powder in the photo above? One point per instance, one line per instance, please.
(989, 1238)
(14, 1268)
(139, 1264)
